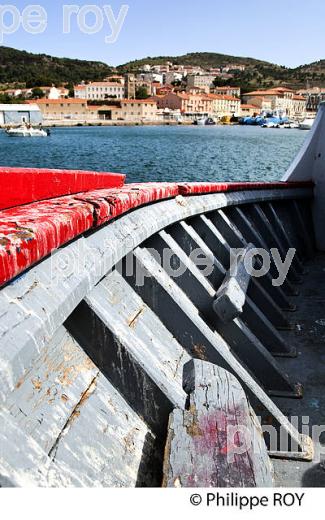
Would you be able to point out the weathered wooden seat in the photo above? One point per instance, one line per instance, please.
(217, 440)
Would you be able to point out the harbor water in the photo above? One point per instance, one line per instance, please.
(161, 153)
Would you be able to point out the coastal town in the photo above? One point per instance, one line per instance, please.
(156, 94)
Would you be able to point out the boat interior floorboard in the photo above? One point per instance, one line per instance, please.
(308, 368)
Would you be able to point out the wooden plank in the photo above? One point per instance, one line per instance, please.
(106, 443)
(46, 396)
(77, 420)
(23, 463)
(25, 185)
(217, 441)
(231, 295)
(142, 333)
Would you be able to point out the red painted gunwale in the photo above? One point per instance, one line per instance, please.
(25, 185)
(32, 231)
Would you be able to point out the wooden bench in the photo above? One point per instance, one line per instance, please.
(217, 440)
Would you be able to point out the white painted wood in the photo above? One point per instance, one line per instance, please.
(23, 463)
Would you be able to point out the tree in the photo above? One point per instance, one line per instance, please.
(37, 93)
(141, 93)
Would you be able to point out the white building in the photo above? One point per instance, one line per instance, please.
(100, 90)
(11, 114)
(49, 92)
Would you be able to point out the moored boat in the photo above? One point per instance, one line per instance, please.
(27, 131)
(124, 364)
(307, 123)
(200, 121)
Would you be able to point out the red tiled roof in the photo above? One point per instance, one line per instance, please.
(105, 84)
(223, 96)
(148, 100)
(269, 92)
(244, 105)
(70, 101)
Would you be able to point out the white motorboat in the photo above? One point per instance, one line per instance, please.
(27, 131)
(289, 125)
(307, 123)
(270, 124)
(200, 121)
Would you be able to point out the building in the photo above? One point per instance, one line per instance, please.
(226, 91)
(248, 110)
(190, 105)
(63, 109)
(225, 105)
(313, 96)
(145, 84)
(130, 110)
(11, 114)
(80, 91)
(162, 91)
(49, 92)
(138, 110)
(171, 77)
(100, 90)
(234, 67)
(203, 81)
(283, 100)
(111, 112)
(130, 86)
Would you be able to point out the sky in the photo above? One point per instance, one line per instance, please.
(287, 32)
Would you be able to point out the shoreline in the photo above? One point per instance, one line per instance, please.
(79, 124)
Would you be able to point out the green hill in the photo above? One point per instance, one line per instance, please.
(39, 69)
(202, 59)
(32, 70)
(258, 73)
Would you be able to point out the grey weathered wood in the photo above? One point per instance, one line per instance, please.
(282, 234)
(35, 306)
(234, 237)
(252, 232)
(213, 346)
(231, 295)
(72, 415)
(217, 441)
(240, 339)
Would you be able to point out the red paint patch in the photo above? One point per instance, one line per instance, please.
(25, 185)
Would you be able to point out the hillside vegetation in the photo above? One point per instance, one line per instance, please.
(26, 69)
(39, 69)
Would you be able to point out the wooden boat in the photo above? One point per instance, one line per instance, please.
(106, 381)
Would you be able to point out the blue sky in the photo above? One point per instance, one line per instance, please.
(288, 32)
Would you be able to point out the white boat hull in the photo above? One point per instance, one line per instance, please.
(32, 132)
(307, 124)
